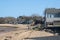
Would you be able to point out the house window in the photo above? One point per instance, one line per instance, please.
(49, 15)
(57, 15)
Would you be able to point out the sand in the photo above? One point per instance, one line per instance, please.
(21, 33)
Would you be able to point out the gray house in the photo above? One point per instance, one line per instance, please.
(52, 17)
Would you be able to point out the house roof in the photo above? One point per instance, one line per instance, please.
(52, 10)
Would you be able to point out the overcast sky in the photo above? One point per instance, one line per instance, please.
(17, 8)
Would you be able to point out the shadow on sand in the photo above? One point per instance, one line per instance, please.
(7, 29)
(53, 30)
(44, 38)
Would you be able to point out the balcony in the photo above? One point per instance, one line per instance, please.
(52, 19)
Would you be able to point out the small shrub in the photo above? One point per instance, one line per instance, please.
(36, 28)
